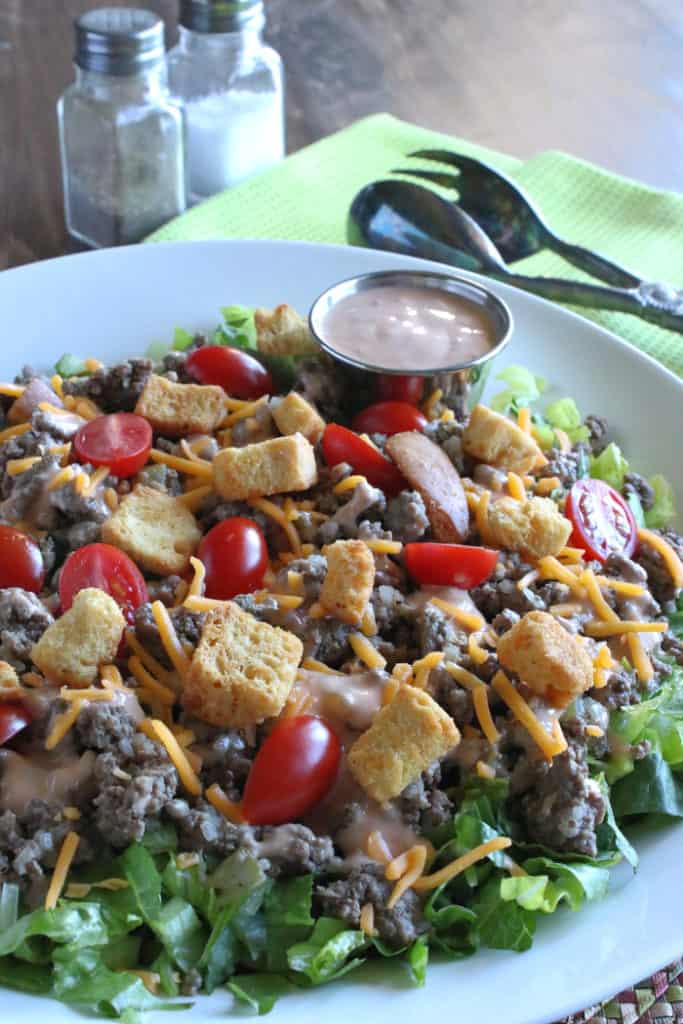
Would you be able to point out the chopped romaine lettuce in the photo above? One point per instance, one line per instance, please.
(523, 388)
(329, 952)
(237, 329)
(564, 415)
(70, 365)
(182, 339)
(610, 466)
(664, 509)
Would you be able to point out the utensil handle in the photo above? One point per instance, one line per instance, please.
(595, 264)
(655, 303)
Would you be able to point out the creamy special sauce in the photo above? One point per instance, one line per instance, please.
(409, 328)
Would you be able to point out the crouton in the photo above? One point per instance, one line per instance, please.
(88, 635)
(534, 527)
(176, 410)
(10, 686)
(282, 332)
(294, 415)
(349, 581)
(269, 467)
(242, 670)
(493, 438)
(156, 530)
(552, 662)
(404, 738)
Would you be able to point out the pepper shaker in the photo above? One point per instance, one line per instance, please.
(121, 137)
(229, 84)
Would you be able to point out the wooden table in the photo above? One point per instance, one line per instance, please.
(599, 80)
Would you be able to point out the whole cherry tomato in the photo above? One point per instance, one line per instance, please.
(106, 568)
(21, 561)
(394, 387)
(120, 440)
(293, 770)
(602, 520)
(235, 557)
(389, 418)
(235, 371)
(341, 445)
(14, 716)
(449, 565)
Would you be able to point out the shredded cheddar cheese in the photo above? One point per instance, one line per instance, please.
(244, 412)
(147, 681)
(62, 723)
(607, 614)
(12, 390)
(594, 730)
(64, 476)
(81, 482)
(476, 653)
(527, 579)
(415, 860)
(92, 365)
(317, 666)
(169, 639)
(195, 498)
(385, 547)
(197, 584)
(348, 484)
(274, 512)
(516, 487)
(639, 658)
(402, 671)
(562, 437)
(295, 582)
(480, 699)
(423, 666)
(524, 419)
(551, 569)
(88, 693)
(470, 620)
(364, 650)
(603, 629)
(147, 659)
(572, 554)
(16, 466)
(368, 626)
(98, 477)
(431, 403)
(111, 498)
(390, 690)
(671, 560)
(65, 857)
(565, 609)
(10, 432)
(620, 586)
(549, 745)
(228, 808)
(203, 469)
(56, 385)
(481, 513)
(456, 867)
(376, 847)
(447, 415)
(548, 484)
(71, 813)
(484, 771)
(157, 730)
(367, 920)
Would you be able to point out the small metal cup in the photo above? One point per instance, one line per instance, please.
(463, 382)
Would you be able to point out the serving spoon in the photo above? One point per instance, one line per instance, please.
(400, 216)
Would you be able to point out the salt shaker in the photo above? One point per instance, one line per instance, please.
(121, 137)
(230, 86)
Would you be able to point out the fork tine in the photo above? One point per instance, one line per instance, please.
(436, 177)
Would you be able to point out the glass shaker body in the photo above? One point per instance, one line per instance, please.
(230, 86)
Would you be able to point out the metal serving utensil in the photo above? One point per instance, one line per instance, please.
(402, 217)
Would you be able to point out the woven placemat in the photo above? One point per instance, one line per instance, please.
(656, 1000)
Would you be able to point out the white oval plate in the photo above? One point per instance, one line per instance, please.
(113, 303)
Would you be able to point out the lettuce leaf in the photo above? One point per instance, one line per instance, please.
(182, 339)
(564, 415)
(658, 719)
(238, 329)
(664, 509)
(651, 788)
(329, 952)
(523, 388)
(260, 991)
(70, 365)
(549, 883)
(84, 980)
(610, 466)
(503, 924)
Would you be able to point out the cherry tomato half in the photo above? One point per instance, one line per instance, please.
(235, 557)
(342, 445)
(603, 523)
(235, 371)
(14, 716)
(120, 440)
(449, 565)
(293, 771)
(389, 418)
(21, 562)
(394, 387)
(106, 568)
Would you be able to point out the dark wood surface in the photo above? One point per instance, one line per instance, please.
(597, 78)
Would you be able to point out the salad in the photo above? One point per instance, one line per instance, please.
(299, 669)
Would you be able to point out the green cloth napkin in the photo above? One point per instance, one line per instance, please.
(308, 195)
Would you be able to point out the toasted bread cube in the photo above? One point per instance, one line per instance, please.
(155, 529)
(552, 662)
(242, 670)
(270, 467)
(534, 527)
(405, 737)
(9, 682)
(283, 332)
(176, 410)
(493, 438)
(349, 581)
(294, 415)
(88, 635)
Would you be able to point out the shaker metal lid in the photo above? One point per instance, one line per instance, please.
(220, 15)
(119, 40)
